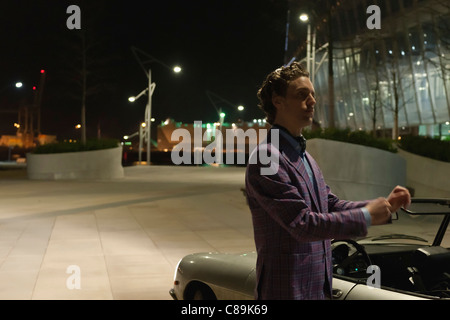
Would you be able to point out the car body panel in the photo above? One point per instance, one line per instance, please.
(230, 275)
(365, 292)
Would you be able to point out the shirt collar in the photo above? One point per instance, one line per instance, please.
(296, 142)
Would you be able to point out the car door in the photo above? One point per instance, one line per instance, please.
(365, 292)
(341, 288)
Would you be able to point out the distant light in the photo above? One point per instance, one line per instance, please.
(132, 99)
(19, 84)
(42, 71)
(34, 87)
(78, 126)
(304, 17)
(143, 124)
(152, 119)
(125, 137)
(240, 108)
(177, 69)
(222, 115)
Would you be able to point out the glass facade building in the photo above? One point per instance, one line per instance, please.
(397, 76)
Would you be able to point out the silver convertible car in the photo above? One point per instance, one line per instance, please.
(408, 259)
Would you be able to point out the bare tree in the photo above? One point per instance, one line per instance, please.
(87, 63)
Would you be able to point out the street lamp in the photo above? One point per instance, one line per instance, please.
(177, 69)
(310, 46)
(149, 91)
(17, 85)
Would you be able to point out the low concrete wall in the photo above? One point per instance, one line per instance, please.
(428, 177)
(103, 164)
(356, 172)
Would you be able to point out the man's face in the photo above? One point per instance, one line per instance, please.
(296, 109)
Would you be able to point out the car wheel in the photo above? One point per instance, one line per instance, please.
(200, 291)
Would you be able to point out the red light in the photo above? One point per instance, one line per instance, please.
(42, 71)
(34, 88)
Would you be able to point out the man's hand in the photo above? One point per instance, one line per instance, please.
(399, 197)
(380, 211)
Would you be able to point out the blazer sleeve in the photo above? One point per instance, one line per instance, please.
(277, 196)
(335, 204)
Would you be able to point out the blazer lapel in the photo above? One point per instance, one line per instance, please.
(296, 161)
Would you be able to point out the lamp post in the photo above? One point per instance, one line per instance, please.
(310, 47)
(18, 85)
(149, 90)
(144, 129)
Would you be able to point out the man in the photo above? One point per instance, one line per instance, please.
(294, 212)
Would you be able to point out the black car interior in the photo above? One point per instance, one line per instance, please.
(411, 268)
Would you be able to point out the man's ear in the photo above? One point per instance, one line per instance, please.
(277, 101)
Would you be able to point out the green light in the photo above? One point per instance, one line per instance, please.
(222, 115)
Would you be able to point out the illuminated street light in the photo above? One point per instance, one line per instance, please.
(19, 84)
(240, 108)
(132, 99)
(177, 69)
(304, 17)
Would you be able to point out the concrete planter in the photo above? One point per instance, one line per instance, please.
(428, 177)
(356, 172)
(103, 164)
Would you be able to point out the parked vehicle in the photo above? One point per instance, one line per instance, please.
(408, 259)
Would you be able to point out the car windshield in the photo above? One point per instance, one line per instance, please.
(420, 227)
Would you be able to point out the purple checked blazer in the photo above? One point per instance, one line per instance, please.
(293, 225)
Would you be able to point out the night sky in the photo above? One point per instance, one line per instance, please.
(225, 47)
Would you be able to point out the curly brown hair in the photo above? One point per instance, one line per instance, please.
(277, 83)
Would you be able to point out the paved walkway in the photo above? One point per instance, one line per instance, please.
(123, 238)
